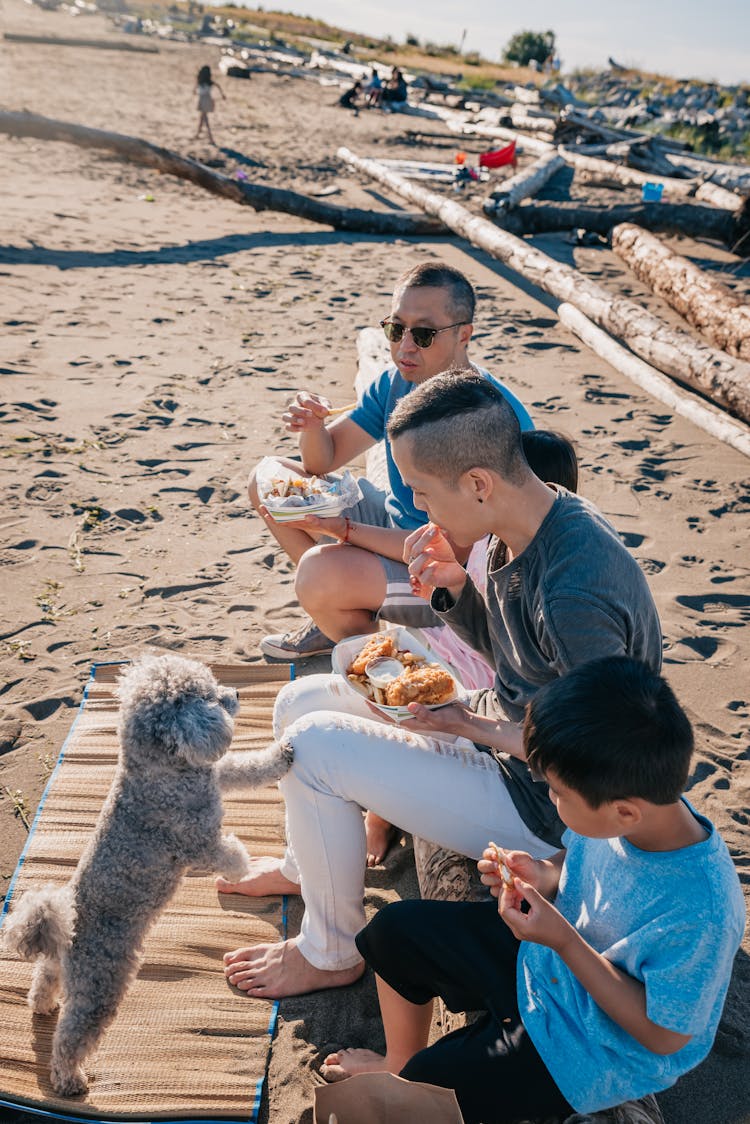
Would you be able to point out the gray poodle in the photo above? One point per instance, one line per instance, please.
(162, 817)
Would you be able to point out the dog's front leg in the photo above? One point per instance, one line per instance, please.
(232, 859)
(252, 768)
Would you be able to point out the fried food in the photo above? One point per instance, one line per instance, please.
(503, 871)
(377, 645)
(429, 685)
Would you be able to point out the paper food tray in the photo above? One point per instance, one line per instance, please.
(346, 492)
(345, 651)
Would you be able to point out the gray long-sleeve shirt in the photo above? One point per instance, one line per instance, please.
(574, 594)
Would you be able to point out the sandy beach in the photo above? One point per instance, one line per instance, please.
(152, 335)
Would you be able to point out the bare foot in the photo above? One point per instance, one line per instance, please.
(380, 835)
(345, 1063)
(264, 878)
(273, 971)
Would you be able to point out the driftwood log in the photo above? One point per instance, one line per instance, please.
(98, 44)
(605, 171)
(702, 414)
(693, 220)
(735, 177)
(576, 121)
(458, 123)
(257, 196)
(524, 184)
(718, 313)
(674, 352)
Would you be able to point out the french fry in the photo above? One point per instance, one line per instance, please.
(379, 694)
(503, 871)
(334, 411)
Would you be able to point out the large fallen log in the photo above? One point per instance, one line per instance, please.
(257, 196)
(702, 414)
(608, 172)
(718, 313)
(459, 124)
(735, 177)
(693, 220)
(674, 352)
(524, 184)
(98, 44)
(576, 121)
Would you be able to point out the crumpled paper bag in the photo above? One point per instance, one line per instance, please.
(383, 1098)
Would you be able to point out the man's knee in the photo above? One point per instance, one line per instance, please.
(313, 740)
(330, 577)
(319, 576)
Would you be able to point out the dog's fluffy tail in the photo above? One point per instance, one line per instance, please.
(252, 768)
(41, 924)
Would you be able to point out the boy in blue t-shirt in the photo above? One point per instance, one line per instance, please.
(602, 971)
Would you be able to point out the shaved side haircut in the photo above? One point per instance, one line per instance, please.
(428, 276)
(458, 421)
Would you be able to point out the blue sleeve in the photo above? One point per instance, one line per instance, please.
(523, 415)
(370, 413)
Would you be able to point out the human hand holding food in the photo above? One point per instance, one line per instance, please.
(453, 719)
(498, 868)
(306, 412)
(333, 525)
(543, 924)
(431, 560)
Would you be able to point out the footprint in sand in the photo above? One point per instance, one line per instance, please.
(696, 649)
(631, 539)
(732, 608)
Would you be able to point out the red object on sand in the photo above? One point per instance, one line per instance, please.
(499, 158)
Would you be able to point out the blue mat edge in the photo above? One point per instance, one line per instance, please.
(20, 1106)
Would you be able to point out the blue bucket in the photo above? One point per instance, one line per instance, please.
(652, 192)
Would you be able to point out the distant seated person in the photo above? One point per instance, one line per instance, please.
(350, 98)
(394, 94)
(373, 89)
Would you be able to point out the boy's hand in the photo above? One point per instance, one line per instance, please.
(306, 412)
(518, 863)
(543, 924)
(431, 561)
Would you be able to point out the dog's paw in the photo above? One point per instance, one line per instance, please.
(68, 1082)
(42, 1004)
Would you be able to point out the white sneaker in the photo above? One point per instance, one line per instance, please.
(307, 640)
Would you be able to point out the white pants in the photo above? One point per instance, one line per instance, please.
(345, 760)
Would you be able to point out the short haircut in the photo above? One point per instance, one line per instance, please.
(610, 729)
(551, 457)
(458, 421)
(430, 276)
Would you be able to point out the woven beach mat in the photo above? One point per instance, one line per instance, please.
(184, 1045)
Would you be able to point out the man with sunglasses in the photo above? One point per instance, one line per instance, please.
(345, 591)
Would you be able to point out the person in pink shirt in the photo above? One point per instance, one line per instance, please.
(552, 458)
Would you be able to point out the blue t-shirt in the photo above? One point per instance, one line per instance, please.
(372, 414)
(671, 919)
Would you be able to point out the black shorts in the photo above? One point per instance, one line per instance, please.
(465, 953)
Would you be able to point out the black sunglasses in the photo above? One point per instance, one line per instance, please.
(423, 337)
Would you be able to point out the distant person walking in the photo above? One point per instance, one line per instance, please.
(204, 87)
